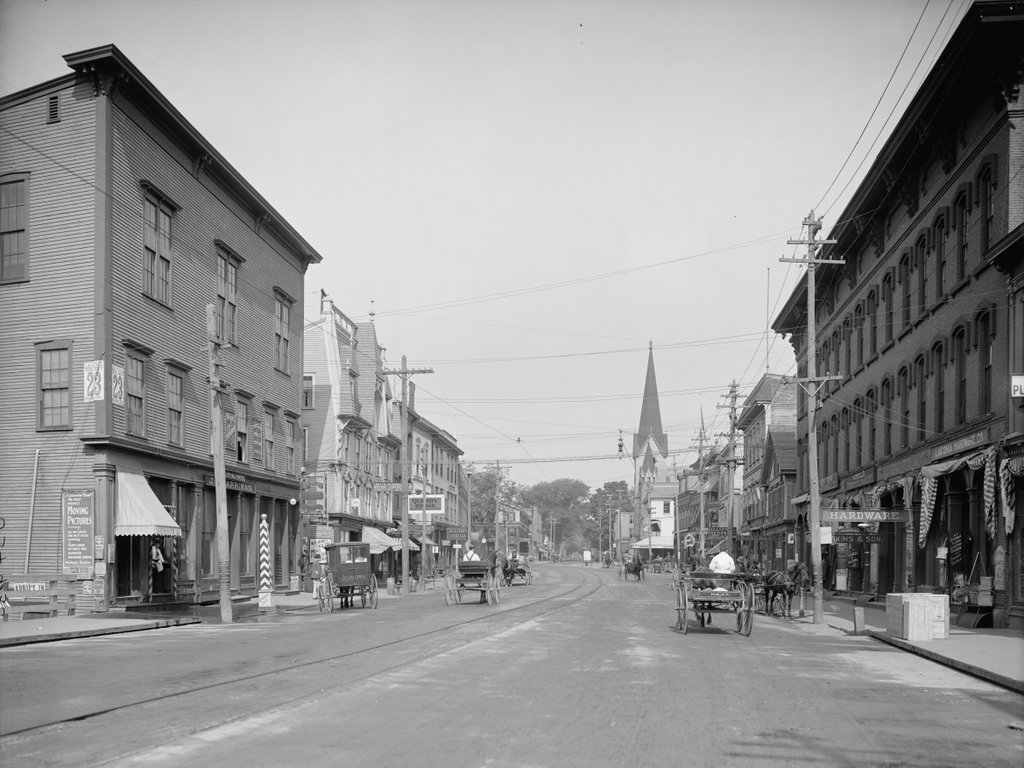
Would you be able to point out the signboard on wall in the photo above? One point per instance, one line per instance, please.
(93, 381)
(255, 438)
(1017, 386)
(117, 384)
(78, 518)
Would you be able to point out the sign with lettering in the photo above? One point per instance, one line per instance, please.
(232, 483)
(855, 537)
(961, 444)
(434, 502)
(78, 509)
(117, 384)
(255, 438)
(865, 515)
(93, 381)
(1017, 386)
(458, 533)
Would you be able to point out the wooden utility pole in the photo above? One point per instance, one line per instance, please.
(812, 384)
(733, 394)
(497, 509)
(404, 373)
(219, 479)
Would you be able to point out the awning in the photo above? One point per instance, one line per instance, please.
(380, 541)
(428, 541)
(139, 511)
(659, 542)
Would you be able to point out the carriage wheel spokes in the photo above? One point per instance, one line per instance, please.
(373, 591)
(449, 589)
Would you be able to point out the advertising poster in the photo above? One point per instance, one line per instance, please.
(93, 381)
(117, 384)
(78, 519)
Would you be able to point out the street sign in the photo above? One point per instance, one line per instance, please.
(388, 487)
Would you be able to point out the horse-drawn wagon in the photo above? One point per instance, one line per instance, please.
(482, 576)
(349, 576)
(704, 592)
(512, 569)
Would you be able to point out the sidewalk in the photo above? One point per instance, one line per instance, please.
(994, 655)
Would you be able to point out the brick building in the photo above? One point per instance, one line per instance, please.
(120, 225)
(916, 324)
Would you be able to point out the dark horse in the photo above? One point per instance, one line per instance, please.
(784, 584)
(636, 568)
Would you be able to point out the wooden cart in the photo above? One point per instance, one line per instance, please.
(349, 576)
(473, 576)
(707, 592)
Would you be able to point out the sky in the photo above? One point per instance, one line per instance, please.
(526, 195)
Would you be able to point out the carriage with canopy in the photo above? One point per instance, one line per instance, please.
(349, 576)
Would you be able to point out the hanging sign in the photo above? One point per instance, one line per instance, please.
(866, 515)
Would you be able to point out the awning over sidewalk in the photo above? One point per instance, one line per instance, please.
(139, 511)
(419, 539)
(656, 542)
(380, 541)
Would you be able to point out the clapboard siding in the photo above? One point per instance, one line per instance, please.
(55, 303)
(206, 214)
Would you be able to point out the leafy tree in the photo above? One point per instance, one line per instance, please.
(563, 505)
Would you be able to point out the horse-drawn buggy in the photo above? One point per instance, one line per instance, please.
(482, 576)
(705, 592)
(633, 566)
(513, 568)
(774, 590)
(348, 575)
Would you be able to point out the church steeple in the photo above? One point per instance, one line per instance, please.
(649, 441)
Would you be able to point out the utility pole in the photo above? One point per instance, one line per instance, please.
(405, 372)
(219, 479)
(497, 509)
(731, 464)
(812, 384)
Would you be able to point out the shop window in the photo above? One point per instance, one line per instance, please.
(245, 536)
(207, 534)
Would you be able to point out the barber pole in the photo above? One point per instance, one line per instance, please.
(266, 584)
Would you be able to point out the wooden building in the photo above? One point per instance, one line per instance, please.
(121, 225)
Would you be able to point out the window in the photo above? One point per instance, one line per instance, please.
(921, 256)
(134, 395)
(834, 434)
(307, 391)
(846, 440)
(227, 286)
(986, 194)
(870, 414)
(305, 444)
(903, 388)
(289, 436)
(175, 409)
(887, 417)
(922, 396)
(268, 440)
(847, 348)
(245, 536)
(283, 314)
(960, 377)
(939, 247)
(872, 324)
(14, 229)
(985, 362)
(242, 431)
(208, 533)
(858, 324)
(54, 377)
(939, 374)
(887, 298)
(962, 235)
(905, 288)
(156, 250)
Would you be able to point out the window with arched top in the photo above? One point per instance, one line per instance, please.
(939, 385)
(922, 396)
(846, 439)
(887, 415)
(985, 347)
(905, 289)
(921, 261)
(858, 433)
(870, 409)
(835, 443)
(887, 300)
(903, 390)
(961, 222)
(959, 344)
(985, 197)
(858, 329)
(872, 324)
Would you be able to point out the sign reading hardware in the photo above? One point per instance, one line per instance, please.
(865, 515)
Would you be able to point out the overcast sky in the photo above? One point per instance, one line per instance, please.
(527, 193)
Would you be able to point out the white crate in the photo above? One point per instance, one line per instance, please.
(917, 616)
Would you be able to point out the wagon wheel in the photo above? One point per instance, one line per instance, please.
(373, 591)
(682, 599)
(449, 589)
(744, 609)
(321, 600)
(496, 583)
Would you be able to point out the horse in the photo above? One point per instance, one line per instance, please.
(636, 568)
(784, 584)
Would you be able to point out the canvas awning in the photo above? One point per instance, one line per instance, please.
(139, 511)
(380, 541)
(428, 541)
(656, 542)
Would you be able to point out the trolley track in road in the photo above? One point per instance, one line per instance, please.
(279, 679)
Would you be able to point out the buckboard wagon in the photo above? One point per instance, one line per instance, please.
(473, 576)
(707, 592)
(349, 576)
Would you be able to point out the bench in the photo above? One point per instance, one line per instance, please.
(32, 597)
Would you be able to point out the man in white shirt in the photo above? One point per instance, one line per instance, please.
(470, 554)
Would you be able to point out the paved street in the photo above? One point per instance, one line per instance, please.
(577, 669)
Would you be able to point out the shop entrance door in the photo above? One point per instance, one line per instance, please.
(132, 553)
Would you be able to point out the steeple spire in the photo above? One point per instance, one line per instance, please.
(650, 418)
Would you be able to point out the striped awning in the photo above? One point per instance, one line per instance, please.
(1010, 469)
(139, 511)
(930, 484)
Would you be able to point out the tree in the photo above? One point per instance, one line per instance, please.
(563, 503)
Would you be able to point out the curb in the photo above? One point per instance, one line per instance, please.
(1016, 686)
(93, 632)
